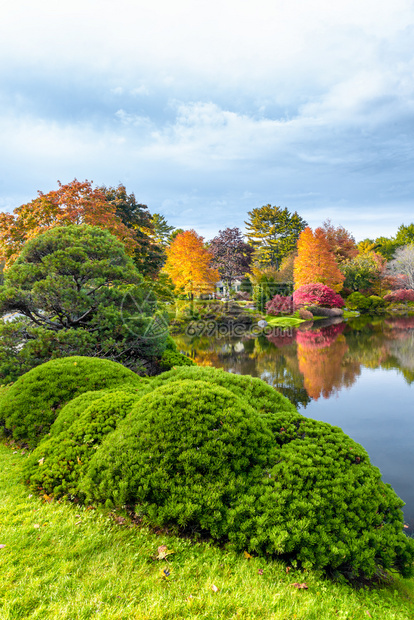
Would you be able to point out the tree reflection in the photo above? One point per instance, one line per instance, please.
(315, 360)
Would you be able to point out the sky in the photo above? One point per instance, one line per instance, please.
(209, 109)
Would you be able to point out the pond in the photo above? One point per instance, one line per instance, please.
(357, 374)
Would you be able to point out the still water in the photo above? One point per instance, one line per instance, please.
(358, 375)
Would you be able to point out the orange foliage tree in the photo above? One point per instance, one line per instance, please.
(74, 203)
(188, 264)
(340, 241)
(315, 261)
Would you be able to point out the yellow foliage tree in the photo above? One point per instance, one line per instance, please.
(188, 264)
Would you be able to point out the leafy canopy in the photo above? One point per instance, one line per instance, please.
(315, 261)
(76, 292)
(189, 264)
(273, 232)
(74, 203)
(231, 255)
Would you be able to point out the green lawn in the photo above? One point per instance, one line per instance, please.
(63, 561)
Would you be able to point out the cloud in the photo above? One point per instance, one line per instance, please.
(206, 110)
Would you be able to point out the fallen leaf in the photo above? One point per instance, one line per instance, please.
(41, 461)
(247, 555)
(163, 552)
(47, 498)
(260, 571)
(2, 546)
(79, 461)
(214, 588)
(300, 586)
(36, 526)
(30, 496)
(288, 568)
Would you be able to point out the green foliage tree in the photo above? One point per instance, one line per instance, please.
(148, 255)
(77, 292)
(273, 233)
(162, 230)
(362, 273)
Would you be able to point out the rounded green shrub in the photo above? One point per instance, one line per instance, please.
(193, 454)
(30, 406)
(170, 359)
(324, 505)
(253, 391)
(75, 407)
(185, 454)
(57, 464)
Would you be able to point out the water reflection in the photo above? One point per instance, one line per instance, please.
(357, 375)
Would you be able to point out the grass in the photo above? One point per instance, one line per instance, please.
(67, 562)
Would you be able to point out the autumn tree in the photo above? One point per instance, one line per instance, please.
(340, 241)
(189, 264)
(74, 203)
(315, 261)
(231, 255)
(273, 232)
(147, 254)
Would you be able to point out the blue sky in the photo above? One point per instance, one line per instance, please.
(207, 109)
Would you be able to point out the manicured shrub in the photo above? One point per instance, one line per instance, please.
(194, 455)
(33, 402)
(254, 392)
(74, 409)
(187, 452)
(317, 294)
(305, 315)
(370, 305)
(170, 359)
(279, 304)
(325, 505)
(57, 464)
(401, 295)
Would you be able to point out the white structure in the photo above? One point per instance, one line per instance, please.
(221, 287)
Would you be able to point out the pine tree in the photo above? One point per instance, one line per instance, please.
(273, 233)
(162, 230)
(316, 262)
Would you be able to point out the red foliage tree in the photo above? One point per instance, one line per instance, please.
(74, 203)
(317, 294)
(279, 305)
(340, 241)
(402, 294)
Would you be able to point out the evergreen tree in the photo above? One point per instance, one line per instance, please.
(273, 232)
(148, 256)
(162, 230)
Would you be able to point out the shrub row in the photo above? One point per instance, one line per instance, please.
(207, 451)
